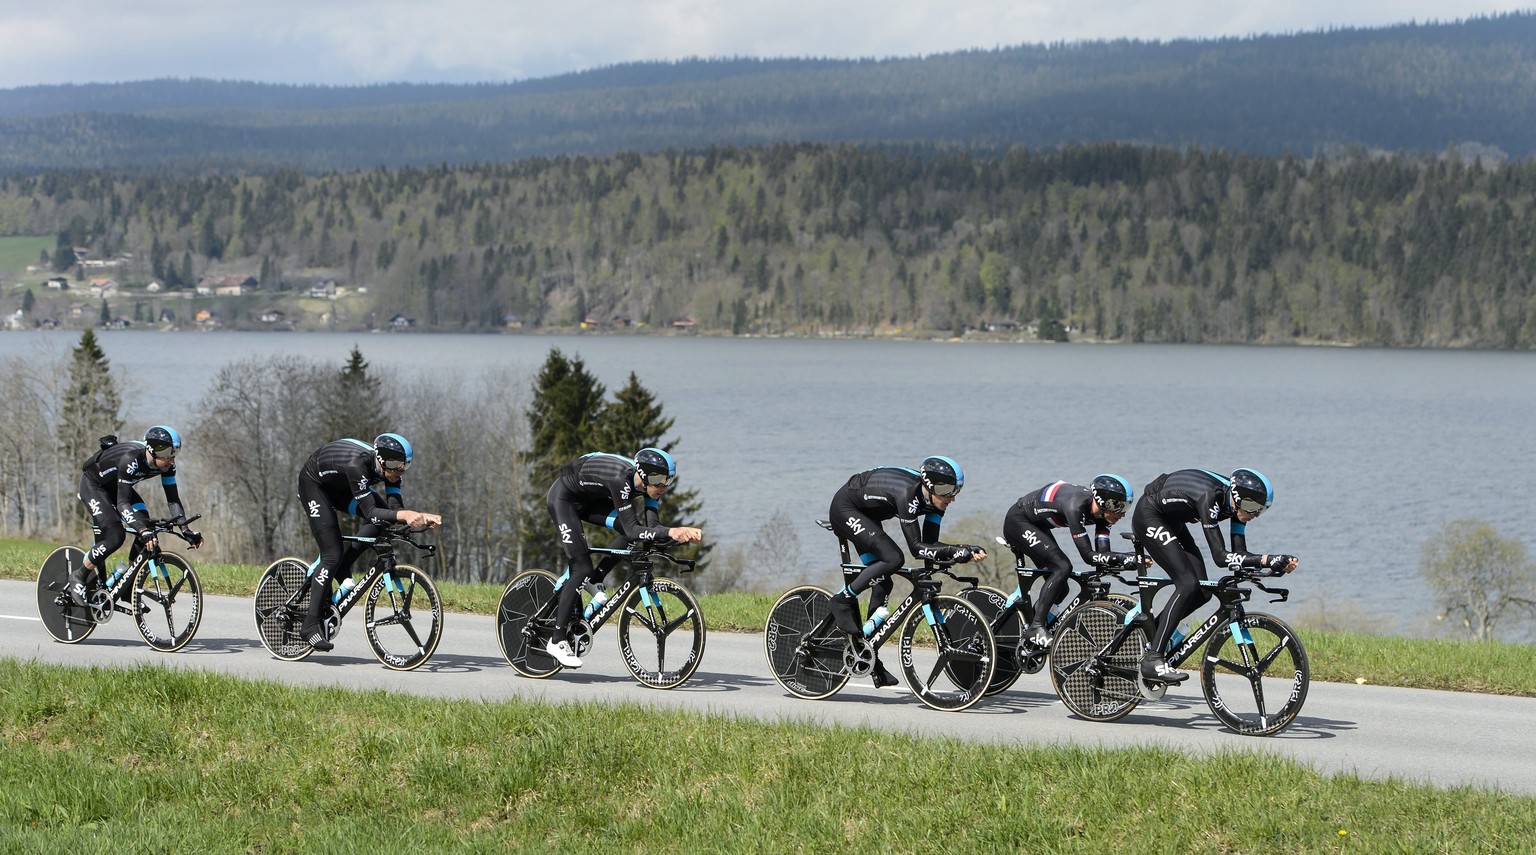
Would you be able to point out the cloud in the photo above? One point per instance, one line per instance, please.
(348, 42)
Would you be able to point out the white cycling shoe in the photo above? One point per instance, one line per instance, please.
(563, 653)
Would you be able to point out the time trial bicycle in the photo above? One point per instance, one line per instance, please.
(402, 612)
(160, 589)
(947, 651)
(1254, 672)
(1005, 615)
(653, 613)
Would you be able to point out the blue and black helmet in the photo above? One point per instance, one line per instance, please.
(942, 476)
(1112, 493)
(656, 467)
(394, 449)
(162, 441)
(1251, 492)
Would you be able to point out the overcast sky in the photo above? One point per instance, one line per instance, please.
(345, 42)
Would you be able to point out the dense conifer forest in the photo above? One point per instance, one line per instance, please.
(1416, 87)
(1104, 241)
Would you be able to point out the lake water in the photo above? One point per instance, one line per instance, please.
(1370, 451)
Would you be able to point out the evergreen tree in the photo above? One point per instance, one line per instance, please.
(633, 420)
(91, 406)
(355, 407)
(562, 421)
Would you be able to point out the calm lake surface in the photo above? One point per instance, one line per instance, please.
(1370, 451)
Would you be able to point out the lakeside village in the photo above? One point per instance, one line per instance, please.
(96, 295)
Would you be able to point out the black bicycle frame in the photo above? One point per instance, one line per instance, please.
(643, 563)
(383, 565)
(1091, 586)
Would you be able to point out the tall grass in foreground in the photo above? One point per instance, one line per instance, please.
(167, 760)
(1343, 657)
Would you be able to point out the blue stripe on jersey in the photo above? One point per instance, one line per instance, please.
(653, 504)
(1221, 478)
(867, 558)
(1238, 528)
(391, 491)
(140, 506)
(359, 443)
(1050, 491)
(613, 517)
(935, 518)
(352, 508)
(167, 479)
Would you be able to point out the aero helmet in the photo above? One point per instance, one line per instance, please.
(942, 476)
(656, 467)
(1112, 493)
(394, 451)
(1251, 492)
(163, 441)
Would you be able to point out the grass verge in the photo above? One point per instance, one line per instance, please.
(171, 760)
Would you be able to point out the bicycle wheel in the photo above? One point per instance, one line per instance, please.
(1006, 633)
(524, 623)
(647, 619)
(282, 598)
(167, 602)
(805, 648)
(403, 616)
(948, 654)
(64, 620)
(1077, 662)
(1256, 681)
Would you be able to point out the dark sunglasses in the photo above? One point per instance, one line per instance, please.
(167, 452)
(394, 465)
(1250, 507)
(1112, 506)
(945, 490)
(657, 479)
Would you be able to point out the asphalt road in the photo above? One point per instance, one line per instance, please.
(1376, 732)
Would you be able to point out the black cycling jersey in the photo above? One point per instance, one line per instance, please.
(1063, 505)
(345, 472)
(600, 489)
(609, 479)
(1195, 495)
(115, 470)
(892, 492)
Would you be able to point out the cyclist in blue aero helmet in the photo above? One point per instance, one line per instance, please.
(603, 489)
(1161, 522)
(917, 499)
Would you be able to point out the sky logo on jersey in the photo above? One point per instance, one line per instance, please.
(1159, 534)
(854, 525)
(362, 484)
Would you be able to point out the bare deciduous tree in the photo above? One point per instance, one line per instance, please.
(254, 428)
(1482, 582)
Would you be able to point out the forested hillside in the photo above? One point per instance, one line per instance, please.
(1111, 241)
(1411, 87)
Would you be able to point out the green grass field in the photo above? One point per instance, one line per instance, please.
(18, 252)
(170, 760)
(155, 759)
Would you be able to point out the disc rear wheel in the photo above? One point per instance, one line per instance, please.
(804, 646)
(64, 620)
(524, 623)
(282, 598)
(1079, 665)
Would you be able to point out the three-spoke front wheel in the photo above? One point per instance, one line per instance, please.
(948, 654)
(404, 618)
(805, 648)
(651, 619)
(167, 601)
(1256, 680)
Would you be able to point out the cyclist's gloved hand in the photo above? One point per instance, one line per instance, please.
(1280, 562)
(1130, 561)
(144, 536)
(963, 554)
